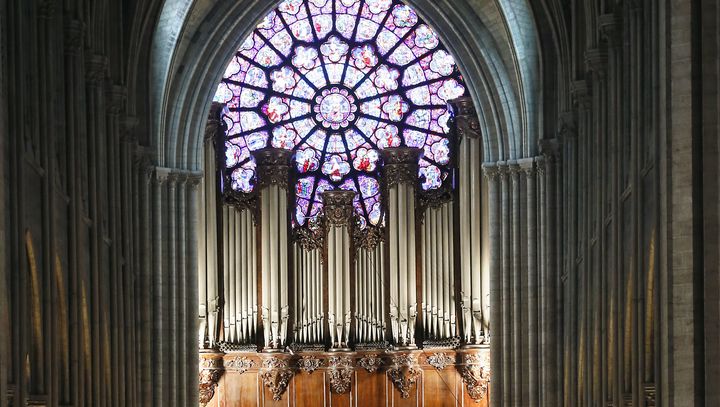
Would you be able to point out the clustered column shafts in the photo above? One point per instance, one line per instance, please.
(273, 167)
(338, 214)
(400, 179)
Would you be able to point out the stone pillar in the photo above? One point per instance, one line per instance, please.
(273, 166)
(338, 212)
(492, 175)
(531, 281)
(400, 179)
(469, 220)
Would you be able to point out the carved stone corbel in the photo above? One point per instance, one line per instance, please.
(440, 360)
(404, 373)
(476, 375)
(211, 369)
(309, 364)
(465, 117)
(370, 362)
(341, 374)
(276, 375)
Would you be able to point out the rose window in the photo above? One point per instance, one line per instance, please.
(336, 81)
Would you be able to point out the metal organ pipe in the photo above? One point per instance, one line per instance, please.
(400, 177)
(469, 220)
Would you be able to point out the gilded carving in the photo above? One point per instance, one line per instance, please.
(368, 238)
(440, 360)
(400, 165)
(273, 167)
(370, 362)
(309, 364)
(476, 375)
(341, 373)
(338, 207)
(276, 375)
(404, 373)
(209, 375)
(312, 236)
(239, 364)
(465, 118)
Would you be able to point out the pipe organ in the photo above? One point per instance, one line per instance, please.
(400, 177)
(333, 283)
(469, 221)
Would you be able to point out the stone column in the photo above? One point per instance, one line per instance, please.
(273, 166)
(492, 175)
(338, 212)
(400, 180)
(531, 294)
(469, 219)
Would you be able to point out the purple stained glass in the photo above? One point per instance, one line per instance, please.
(337, 81)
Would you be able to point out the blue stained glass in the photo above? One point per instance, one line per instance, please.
(336, 87)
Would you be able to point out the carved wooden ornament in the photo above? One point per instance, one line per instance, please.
(404, 373)
(276, 375)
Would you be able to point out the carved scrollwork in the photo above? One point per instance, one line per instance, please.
(338, 207)
(404, 373)
(239, 364)
(434, 198)
(273, 167)
(341, 373)
(476, 375)
(309, 364)
(400, 165)
(276, 375)
(370, 362)
(312, 236)
(440, 360)
(465, 118)
(368, 238)
(211, 370)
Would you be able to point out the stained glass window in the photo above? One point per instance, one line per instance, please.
(335, 81)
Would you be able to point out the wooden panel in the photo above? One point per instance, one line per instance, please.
(310, 389)
(435, 388)
(441, 387)
(369, 388)
(239, 390)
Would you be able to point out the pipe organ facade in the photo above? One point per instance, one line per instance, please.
(414, 281)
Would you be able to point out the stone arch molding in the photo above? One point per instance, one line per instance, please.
(494, 42)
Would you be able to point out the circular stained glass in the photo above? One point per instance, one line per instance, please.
(336, 81)
(335, 108)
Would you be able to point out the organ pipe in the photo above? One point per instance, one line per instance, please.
(272, 172)
(400, 177)
(469, 220)
(338, 213)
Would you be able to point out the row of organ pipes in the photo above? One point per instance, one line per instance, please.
(257, 251)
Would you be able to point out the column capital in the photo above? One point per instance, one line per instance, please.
(491, 171)
(118, 96)
(608, 24)
(580, 94)
(400, 165)
(596, 60)
(338, 207)
(74, 33)
(96, 68)
(466, 119)
(47, 9)
(273, 167)
(214, 122)
(527, 166)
